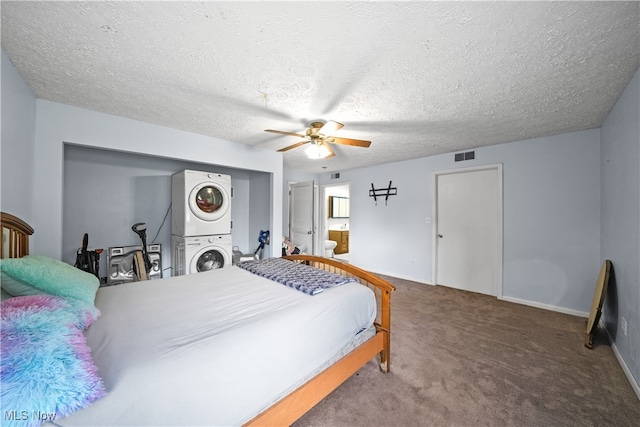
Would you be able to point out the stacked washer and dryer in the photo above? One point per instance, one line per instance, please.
(200, 221)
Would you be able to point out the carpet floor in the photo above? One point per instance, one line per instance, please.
(465, 359)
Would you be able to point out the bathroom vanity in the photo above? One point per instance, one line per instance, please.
(342, 237)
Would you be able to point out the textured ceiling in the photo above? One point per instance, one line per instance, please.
(415, 78)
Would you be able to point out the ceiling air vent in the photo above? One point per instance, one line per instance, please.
(460, 157)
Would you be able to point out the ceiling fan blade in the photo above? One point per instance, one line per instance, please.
(293, 146)
(331, 152)
(330, 127)
(286, 133)
(348, 141)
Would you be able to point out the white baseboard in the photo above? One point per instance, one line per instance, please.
(632, 380)
(547, 306)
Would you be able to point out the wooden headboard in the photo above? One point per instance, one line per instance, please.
(15, 236)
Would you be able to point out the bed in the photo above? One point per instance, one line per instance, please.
(226, 347)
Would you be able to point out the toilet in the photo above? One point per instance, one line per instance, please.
(329, 246)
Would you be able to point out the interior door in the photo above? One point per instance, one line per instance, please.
(301, 215)
(469, 230)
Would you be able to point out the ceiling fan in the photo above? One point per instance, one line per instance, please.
(318, 134)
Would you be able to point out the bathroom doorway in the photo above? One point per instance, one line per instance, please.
(336, 219)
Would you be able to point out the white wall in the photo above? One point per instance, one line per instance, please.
(620, 227)
(57, 124)
(551, 217)
(18, 119)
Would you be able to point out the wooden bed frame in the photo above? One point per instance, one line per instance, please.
(296, 404)
(15, 243)
(15, 236)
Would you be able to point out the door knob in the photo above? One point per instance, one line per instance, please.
(440, 236)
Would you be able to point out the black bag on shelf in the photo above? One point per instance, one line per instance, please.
(86, 260)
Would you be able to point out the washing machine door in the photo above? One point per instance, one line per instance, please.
(209, 258)
(209, 201)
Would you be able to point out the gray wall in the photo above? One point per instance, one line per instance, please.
(58, 125)
(18, 132)
(259, 208)
(105, 192)
(551, 234)
(620, 226)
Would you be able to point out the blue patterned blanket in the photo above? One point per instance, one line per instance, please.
(302, 277)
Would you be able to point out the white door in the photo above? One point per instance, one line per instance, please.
(301, 209)
(469, 230)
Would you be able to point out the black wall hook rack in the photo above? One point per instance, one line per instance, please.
(379, 192)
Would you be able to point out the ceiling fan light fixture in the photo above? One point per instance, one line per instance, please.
(318, 135)
(317, 151)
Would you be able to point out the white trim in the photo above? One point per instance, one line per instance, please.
(289, 183)
(320, 235)
(315, 242)
(625, 368)
(632, 380)
(434, 225)
(546, 306)
(434, 228)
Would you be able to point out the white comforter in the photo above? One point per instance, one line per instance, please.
(213, 348)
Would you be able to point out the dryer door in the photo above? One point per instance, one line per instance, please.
(209, 258)
(209, 201)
